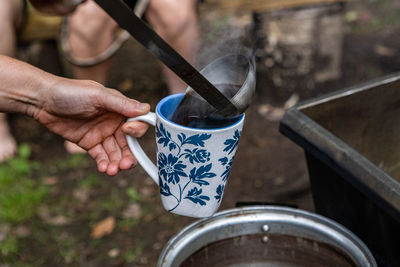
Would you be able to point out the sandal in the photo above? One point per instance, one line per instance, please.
(121, 37)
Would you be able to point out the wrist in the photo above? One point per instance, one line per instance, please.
(41, 90)
(22, 86)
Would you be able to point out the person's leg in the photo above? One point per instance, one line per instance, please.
(176, 22)
(10, 19)
(90, 32)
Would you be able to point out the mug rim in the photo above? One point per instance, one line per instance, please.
(238, 122)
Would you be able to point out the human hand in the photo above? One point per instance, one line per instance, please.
(92, 116)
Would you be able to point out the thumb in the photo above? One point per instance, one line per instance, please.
(116, 102)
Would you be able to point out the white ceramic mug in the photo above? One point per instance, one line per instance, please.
(193, 164)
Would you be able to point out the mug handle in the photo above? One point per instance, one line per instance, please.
(137, 150)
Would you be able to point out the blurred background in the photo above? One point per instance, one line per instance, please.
(57, 210)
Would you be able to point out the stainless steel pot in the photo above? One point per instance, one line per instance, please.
(265, 236)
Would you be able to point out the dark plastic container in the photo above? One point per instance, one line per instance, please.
(351, 140)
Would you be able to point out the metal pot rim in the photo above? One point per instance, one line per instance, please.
(263, 219)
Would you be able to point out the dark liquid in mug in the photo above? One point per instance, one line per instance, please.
(193, 111)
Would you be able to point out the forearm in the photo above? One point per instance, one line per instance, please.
(22, 86)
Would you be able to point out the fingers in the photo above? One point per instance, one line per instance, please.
(135, 128)
(127, 160)
(100, 156)
(106, 159)
(117, 102)
(113, 155)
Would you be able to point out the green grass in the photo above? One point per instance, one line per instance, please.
(112, 202)
(133, 195)
(8, 247)
(90, 181)
(127, 223)
(22, 192)
(383, 15)
(20, 195)
(68, 249)
(73, 161)
(133, 254)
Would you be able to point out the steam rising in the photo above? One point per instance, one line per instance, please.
(224, 61)
(232, 35)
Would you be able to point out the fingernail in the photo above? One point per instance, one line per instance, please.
(131, 130)
(143, 106)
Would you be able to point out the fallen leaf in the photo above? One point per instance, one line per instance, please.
(47, 217)
(293, 100)
(157, 246)
(271, 113)
(147, 191)
(104, 227)
(52, 180)
(148, 218)
(385, 51)
(351, 16)
(22, 231)
(82, 194)
(113, 253)
(68, 259)
(126, 85)
(276, 114)
(264, 109)
(58, 220)
(44, 213)
(4, 229)
(122, 183)
(134, 211)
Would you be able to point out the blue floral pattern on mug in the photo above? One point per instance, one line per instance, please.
(185, 169)
(171, 168)
(231, 144)
(220, 191)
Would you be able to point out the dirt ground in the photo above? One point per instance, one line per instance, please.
(268, 167)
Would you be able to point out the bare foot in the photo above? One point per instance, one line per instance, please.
(73, 148)
(8, 145)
